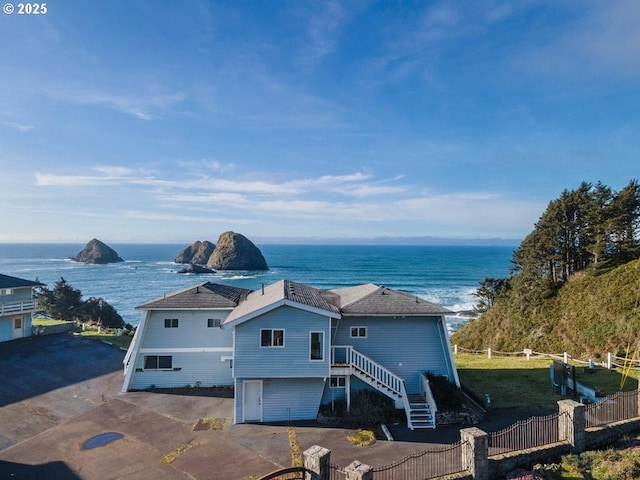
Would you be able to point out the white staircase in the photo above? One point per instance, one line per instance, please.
(419, 408)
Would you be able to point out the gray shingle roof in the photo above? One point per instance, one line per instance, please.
(374, 300)
(206, 295)
(7, 281)
(282, 292)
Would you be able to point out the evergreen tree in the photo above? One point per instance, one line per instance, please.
(62, 302)
(99, 311)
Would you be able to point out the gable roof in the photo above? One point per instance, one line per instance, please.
(204, 296)
(374, 300)
(284, 292)
(7, 281)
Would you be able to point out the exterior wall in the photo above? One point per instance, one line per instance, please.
(7, 330)
(200, 354)
(192, 330)
(189, 369)
(407, 346)
(17, 295)
(292, 360)
(284, 399)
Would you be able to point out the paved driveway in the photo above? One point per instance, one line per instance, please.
(58, 392)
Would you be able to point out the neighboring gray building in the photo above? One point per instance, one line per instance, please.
(289, 347)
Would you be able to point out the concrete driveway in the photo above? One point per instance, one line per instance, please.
(59, 392)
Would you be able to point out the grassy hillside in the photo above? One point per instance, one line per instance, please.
(589, 316)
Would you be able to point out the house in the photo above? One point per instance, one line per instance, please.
(17, 305)
(288, 347)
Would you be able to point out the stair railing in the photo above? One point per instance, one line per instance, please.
(425, 389)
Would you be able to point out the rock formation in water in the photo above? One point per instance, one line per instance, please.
(97, 252)
(191, 268)
(196, 254)
(236, 252)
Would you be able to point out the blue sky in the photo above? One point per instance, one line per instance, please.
(136, 121)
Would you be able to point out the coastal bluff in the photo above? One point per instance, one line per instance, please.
(233, 251)
(97, 252)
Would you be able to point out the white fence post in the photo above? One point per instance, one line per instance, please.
(609, 360)
(489, 352)
(566, 357)
(527, 353)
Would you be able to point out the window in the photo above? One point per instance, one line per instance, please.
(338, 382)
(214, 323)
(158, 362)
(170, 323)
(271, 338)
(358, 332)
(316, 346)
(17, 323)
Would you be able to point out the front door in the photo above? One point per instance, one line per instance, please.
(252, 401)
(18, 327)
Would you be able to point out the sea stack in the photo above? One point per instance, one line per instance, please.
(97, 252)
(196, 254)
(236, 252)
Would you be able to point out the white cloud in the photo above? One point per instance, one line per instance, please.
(18, 126)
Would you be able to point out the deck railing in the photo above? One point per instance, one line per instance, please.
(9, 308)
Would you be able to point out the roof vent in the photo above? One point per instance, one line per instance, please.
(198, 289)
(263, 289)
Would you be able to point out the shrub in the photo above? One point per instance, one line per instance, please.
(448, 397)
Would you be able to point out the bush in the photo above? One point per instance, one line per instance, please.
(448, 397)
(368, 409)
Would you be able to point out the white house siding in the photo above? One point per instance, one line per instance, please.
(292, 360)
(407, 346)
(189, 369)
(284, 399)
(192, 330)
(196, 349)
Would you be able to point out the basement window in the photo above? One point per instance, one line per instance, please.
(338, 382)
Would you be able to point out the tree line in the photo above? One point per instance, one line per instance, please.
(65, 302)
(590, 227)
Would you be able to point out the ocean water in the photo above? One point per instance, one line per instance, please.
(446, 275)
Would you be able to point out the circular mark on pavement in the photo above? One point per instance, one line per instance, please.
(101, 440)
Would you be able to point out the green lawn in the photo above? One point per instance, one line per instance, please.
(517, 382)
(46, 322)
(109, 335)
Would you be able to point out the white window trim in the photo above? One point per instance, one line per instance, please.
(284, 338)
(322, 350)
(366, 331)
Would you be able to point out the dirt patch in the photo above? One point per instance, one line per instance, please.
(208, 423)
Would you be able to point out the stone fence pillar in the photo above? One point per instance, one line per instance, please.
(317, 460)
(572, 425)
(358, 471)
(475, 457)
